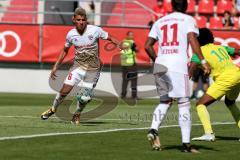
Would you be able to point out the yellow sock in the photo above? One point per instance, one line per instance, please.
(204, 118)
(235, 113)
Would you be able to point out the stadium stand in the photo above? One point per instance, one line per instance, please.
(236, 22)
(201, 21)
(132, 13)
(206, 6)
(191, 6)
(18, 6)
(206, 9)
(215, 22)
(121, 13)
(168, 5)
(224, 5)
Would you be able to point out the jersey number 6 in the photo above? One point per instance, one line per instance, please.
(70, 76)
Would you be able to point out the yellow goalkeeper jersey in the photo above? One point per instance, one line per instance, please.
(218, 58)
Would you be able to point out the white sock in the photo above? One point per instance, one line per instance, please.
(158, 115)
(184, 120)
(57, 101)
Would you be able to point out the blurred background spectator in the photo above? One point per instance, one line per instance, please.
(128, 65)
(227, 20)
(160, 10)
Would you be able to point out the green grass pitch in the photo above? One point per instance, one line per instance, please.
(20, 116)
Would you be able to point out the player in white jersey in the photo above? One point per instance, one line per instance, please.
(173, 32)
(86, 65)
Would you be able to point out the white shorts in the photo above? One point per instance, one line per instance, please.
(175, 85)
(89, 78)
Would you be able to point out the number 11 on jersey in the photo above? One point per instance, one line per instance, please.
(174, 41)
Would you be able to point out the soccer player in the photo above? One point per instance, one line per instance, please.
(86, 65)
(226, 76)
(173, 32)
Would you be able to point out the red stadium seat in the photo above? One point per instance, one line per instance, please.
(215, 22)
(201, 21)
(168, 5)
(23, 5)
(224, 5)
(134, 15)
(191, 6)
(236, 21)
(206, 6)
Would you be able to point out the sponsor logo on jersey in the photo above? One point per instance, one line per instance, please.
(90, 37)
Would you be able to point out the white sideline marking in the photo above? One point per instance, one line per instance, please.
(101, 131)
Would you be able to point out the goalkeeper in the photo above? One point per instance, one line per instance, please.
(226, 76)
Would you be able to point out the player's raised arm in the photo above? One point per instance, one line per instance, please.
(106, 36)
(59, 61)
(116, 42)
(113, 40)
(149, 48)
(196, 49)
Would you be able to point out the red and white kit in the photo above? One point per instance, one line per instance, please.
(171, 32)
(87, 64)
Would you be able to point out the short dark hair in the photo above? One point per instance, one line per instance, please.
(129, 32)
(228, 12)
(180, 5)
(80, 11)
(205, 36)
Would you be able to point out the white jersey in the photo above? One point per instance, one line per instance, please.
(86, 46)
(171, 32)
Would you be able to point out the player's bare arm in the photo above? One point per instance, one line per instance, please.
(116, 42)
(61, 57)
(149, 48)
(196, 49)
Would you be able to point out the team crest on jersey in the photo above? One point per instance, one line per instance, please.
(75, 39)
(90, 37)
